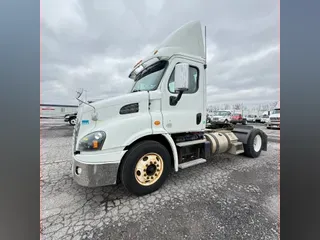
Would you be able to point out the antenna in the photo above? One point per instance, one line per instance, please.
(205, 46)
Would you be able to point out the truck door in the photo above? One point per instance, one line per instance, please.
(189, 114)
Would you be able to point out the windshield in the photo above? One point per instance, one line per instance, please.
(149, 78)
(276, 111)
(221, 113)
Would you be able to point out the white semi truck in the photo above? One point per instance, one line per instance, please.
(136, 139)
(274, 119)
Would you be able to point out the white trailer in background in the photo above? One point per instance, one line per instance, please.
(160, 125)
(56, 110)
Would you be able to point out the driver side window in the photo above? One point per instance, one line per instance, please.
(193, 81)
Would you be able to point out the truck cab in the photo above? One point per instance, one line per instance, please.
(159, 125)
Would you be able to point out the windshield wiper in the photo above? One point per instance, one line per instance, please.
(136, 90)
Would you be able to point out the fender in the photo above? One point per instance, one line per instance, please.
(169, 140)
(138, 135)
(173, 149)
(243, 133)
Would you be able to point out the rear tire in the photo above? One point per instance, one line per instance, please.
(254, 144)
(145, 167)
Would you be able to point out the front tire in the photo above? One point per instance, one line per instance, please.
(72, 121)
(244, 122)
(145, 167)
(254, 144)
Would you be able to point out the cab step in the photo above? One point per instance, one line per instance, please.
(189, 143)
(236, 148)
(191, 163)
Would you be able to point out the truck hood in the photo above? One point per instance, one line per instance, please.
(115, 101)
(107, 109)
(218, 116)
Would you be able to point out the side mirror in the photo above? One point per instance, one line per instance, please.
(181, 77)
(181, 81)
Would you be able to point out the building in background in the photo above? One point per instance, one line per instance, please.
(56, 110)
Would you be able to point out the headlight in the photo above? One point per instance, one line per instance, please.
(92, 142)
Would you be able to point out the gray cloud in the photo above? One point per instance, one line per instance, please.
(94, 44)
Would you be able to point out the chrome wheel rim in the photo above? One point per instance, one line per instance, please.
(257, 143)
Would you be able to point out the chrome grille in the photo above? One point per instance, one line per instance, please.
(274, 119)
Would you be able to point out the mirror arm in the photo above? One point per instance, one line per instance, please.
(174, 100)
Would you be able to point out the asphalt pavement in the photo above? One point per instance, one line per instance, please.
(228, 197)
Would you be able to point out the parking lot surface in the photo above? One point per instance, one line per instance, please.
(229, 197)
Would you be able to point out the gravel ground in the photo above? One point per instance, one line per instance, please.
(229, 197)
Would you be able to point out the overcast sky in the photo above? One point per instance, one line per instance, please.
(94, 45)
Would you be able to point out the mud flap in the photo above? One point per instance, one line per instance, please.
(264, 146)
(243, 133)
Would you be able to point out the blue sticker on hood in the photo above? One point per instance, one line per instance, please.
(85, 122)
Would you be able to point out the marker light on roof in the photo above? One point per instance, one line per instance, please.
(137, 63)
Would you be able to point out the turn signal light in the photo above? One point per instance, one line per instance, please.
(95, 144)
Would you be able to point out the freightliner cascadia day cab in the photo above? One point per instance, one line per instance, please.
(136, 139)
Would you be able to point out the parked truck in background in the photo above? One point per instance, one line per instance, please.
(257, 118)
(274, 119)
(71, 118)
(251, 118)
(221, 116)
(136, 139)
(265, 117)
(237, 118)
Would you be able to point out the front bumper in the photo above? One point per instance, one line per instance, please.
(273, 124)
(90, 171)
(218, 121)
(236, 121)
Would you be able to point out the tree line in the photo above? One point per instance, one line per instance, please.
(241, 107)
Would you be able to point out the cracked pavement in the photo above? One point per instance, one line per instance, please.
(229, 197)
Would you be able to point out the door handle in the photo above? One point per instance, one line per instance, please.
(198, 118)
